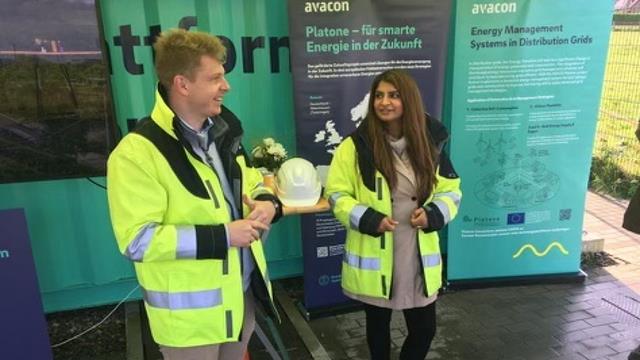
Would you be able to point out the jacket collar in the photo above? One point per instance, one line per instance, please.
(164, 116)
(435, 130)
(162, 113)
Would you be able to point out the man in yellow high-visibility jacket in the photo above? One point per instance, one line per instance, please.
(188, 210)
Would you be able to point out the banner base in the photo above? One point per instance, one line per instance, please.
(562, 278)
(320, 312)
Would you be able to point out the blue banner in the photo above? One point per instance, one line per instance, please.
(526, 89)
(23, 329)
(336, 50)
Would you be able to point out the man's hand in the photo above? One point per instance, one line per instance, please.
(387, 224)
(243, 232)
(419, 218)
(262, 211)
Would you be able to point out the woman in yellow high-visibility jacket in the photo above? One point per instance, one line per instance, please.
(393, 187)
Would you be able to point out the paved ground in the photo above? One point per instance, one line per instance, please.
(602, 219)
(599, 319)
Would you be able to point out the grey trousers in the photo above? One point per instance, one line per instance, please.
(225, 351)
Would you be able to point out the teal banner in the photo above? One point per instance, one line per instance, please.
(255, 33)
(526, 89)
(75, 253)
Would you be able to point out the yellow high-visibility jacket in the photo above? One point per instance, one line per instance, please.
(168, 213)
(360, 198)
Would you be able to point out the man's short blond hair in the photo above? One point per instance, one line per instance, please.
(178, 52)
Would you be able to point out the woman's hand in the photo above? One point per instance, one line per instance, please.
(419, 218)
(387, 224)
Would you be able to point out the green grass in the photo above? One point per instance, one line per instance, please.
(616, 163)
(19, 82)
(68, 136)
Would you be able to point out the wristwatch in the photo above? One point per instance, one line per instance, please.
(277, 205)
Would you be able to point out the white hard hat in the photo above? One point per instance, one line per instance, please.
(297, 183)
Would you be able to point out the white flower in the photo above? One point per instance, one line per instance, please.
(257, 152)
(277, 150)
(280, 150)
(269, 154)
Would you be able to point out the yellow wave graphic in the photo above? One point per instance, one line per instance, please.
(540, 254)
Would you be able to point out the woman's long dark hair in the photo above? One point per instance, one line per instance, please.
(420, 149)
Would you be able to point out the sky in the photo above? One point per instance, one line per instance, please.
(72, 22)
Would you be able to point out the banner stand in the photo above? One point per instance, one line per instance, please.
(524, 108)
(334, 58)
(562, 278)
(23, 328)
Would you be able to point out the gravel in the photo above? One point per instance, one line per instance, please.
(598, 259)
(106, 342)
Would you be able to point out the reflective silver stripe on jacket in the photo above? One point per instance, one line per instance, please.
(431, 260)
(185, 242)
(438, 200)
(333, 199)
(183, 300)
(356, 215)
(444, 209)
(455, 197)
(365, 263)
(139, 245)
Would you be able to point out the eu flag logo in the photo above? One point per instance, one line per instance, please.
(515, 218)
